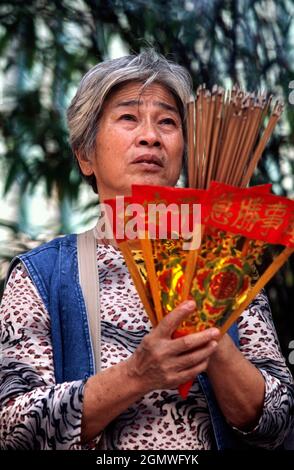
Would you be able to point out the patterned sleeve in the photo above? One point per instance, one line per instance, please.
(260, 345)
(35, 413)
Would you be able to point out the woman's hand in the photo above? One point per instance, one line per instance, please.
(161, 362)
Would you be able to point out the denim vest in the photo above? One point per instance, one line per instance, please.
(53, 268)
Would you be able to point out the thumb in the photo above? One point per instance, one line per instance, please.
(170, 322)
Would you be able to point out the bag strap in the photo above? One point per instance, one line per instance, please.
(89, 281)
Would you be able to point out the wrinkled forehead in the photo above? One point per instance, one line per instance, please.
(136, 93)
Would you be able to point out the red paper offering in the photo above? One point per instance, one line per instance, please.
(211, 256)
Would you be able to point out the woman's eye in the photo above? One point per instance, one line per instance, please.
(128, 117)
(168, 121)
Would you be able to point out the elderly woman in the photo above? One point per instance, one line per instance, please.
(127, 125)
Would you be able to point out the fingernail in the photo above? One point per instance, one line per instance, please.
(214, 333)
(189, 305)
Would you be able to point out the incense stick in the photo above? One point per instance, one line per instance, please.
(190, 136)
(262, 143)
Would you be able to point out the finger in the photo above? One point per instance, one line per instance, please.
(192, 359)
(189, 374)
(192, 341)
(171, 321)
(192, 373)
(197, 340)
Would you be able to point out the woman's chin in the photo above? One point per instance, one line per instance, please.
(154, 180)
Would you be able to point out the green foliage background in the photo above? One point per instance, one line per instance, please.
(46, 46)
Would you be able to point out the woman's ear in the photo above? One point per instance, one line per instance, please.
(84, 163)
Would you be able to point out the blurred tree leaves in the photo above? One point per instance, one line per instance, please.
(46, 46)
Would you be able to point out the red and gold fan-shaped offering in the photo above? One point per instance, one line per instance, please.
(235, 229)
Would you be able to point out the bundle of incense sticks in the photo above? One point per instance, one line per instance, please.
(227, 133)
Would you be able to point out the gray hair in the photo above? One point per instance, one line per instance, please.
(85, 109)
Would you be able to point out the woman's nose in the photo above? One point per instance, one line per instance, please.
(149, 136)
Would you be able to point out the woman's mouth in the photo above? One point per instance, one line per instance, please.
(148, 162)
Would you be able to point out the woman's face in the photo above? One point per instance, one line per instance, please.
(139, 140)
